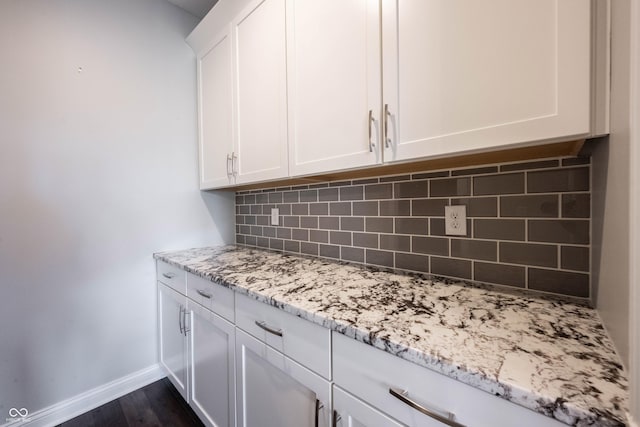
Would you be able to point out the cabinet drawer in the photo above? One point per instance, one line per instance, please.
(171, 276)
(215, 297)
(370, 373)
(303, 341)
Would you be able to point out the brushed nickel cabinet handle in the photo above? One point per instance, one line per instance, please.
(386, 125)
(263, 325)
(334, 420)
(371, 120)
(234, 162)
(180, 318)
(184, 321)
(317, 412)
(229, 159)
(203, 294)
(403, 396)
(169, 275)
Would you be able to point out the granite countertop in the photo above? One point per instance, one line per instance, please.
(548, 355)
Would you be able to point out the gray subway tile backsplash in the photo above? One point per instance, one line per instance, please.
(558, 180)
(365, 208)
(393, 242)
(479, 206)
(574, 258)
(562, 282)
(499, 229)
(411, 189)
(512, 183)
(428, 207)
(395, 207)
(528, 223)
(380, 225)
(502, 274)
(530, 206)
(351, 223)
(560, 231)
(412, 226)
(576, 205)
(474, 249)
(412, 262)
(451, 267)
(378, 191)
(382, 258)
(450, 187)
(529, 254)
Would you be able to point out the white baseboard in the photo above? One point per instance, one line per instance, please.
(84, 402)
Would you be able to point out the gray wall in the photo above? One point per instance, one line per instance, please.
(98, 169)
(528, 226)
(611, 193)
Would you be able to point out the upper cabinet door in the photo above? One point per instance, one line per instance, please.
(333, 59)
(260, 92)
(465, 75)
(215, 100)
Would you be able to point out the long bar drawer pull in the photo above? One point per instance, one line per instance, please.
(269, 329)
(169, 275)
(447, 418)
(203, 294)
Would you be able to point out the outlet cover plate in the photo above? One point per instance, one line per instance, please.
(455, 220)
(275, 216)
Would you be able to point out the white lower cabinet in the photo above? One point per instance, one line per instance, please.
(275, 391)
(173, 339)
(349, 411)
(197, 350)
(211, 366)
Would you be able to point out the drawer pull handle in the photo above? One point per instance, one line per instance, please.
(203, 294)
(447, 419)
(169, 275)
(269, 329)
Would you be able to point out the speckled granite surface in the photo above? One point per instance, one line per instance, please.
(550, 356)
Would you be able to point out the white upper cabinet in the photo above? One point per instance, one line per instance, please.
(242, 93)
(289, 88)
(215, 82)
(464, 76)
(260, 92)
(333, 58)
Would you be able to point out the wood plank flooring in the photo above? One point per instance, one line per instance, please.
(157, 404)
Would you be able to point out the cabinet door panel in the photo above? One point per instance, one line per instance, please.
(261, 104)
(274, 391)
(212, 353)
(215, 112)
(355, 413)
(173, 345)
(333, 56)
(461, 75)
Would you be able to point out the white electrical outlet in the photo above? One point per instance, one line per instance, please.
(275, 218)
(455, 220)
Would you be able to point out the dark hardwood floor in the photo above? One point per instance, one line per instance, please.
(157, 404)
